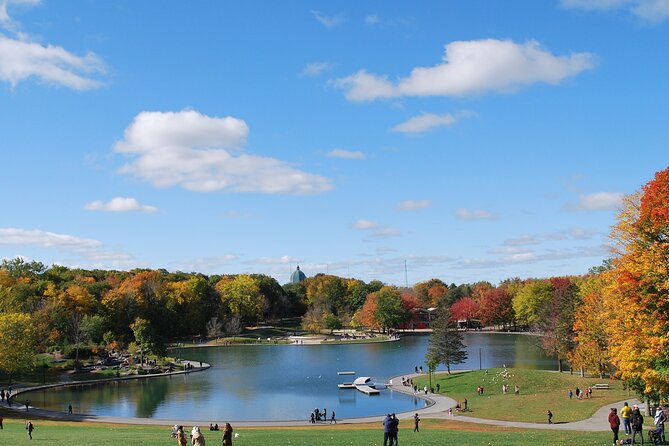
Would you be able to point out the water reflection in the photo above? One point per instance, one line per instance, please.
(265, 382)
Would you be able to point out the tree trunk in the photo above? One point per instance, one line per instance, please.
(559, 365)
(582, 372)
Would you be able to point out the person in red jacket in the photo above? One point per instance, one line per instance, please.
(614, 422)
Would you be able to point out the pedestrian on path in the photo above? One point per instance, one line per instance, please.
(333, 419)
(69, 409)
(416, 420)
(550, 416)
(387, 430)
(614, 422)
(181, 437)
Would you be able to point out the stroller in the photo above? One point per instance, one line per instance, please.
(655, 436)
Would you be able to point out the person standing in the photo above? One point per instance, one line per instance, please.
(1, 423)
(69, 409)
(387, 430)
(637, 423)
(571, 394)
(416, 420)
(30, 428)
(181, 437)
(614, 422)
(464, 406)
(550, 416)
(659, 420)
(395, 430)
(625, 414)
(333, 419)
(227, 435)
(196, 437)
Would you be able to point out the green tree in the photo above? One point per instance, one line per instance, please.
(529, 301)
(18, 343)
(241, 295)
(445, 345)
(390, 310)
(147, 339)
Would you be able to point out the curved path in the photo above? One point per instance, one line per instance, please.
(437, 406)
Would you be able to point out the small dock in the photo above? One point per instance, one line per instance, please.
(362, 384)
(346, 385)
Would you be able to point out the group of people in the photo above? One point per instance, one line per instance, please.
(580, 394)
(318, 415)
(197, 437)
(505, 389)
(632, 421)
(5, 394)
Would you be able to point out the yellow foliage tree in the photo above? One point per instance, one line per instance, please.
(18, 342)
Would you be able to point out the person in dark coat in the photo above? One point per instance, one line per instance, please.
(614, 422)
(387, 430)
(227, 435)
(637, 423)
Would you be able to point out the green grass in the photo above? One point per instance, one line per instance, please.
(433, 433)
(539, 392)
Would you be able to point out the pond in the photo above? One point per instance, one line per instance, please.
(284, 382)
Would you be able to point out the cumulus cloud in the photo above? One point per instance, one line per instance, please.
(346, 154)
(600, 201)
(372, 19)
(375, 229)
(424, 122)
(316, 68)
(412, 205)
(120, 204)
(653, 11)
(204, 264)
(328, 21)
(472, 214)
(204, 154)
(471, 68)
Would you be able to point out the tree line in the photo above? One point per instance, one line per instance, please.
(612, 320)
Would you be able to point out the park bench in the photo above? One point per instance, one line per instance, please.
(601, 386)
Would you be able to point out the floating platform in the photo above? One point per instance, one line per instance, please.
(364, 385)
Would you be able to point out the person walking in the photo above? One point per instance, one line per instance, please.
(227, 435)
(614, 422)
(69, 409)
(30, 427)
(332, 418)
(416, 420)
(637, 423)
(625, 414)
(550, 416)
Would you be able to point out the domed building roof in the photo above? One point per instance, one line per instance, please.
(297, 276)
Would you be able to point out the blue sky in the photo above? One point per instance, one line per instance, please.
(473, 140)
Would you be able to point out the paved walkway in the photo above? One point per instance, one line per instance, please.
(433, 406)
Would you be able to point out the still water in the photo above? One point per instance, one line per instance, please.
(268, 382)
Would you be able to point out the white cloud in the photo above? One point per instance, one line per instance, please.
(471, 68)
(52, 65)
(653, 11)
(203, 154)
(91, 251)
(328, 21)
(120, 204)
(386, 232)
(316, 68)
(523, 240)
(424, 122)
(372, 19)
(204, 264)
(275, 261)
(5, 19)
(412, 205)
(346, 154)
(600, 201)
(364, 224)
(470, 214)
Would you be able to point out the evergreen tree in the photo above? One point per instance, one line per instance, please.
(445, 345)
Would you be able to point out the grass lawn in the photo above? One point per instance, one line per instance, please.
(539, 392)
(433, 433)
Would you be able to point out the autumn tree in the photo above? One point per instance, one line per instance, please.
(241, 295)
(390, 310)
(496, 307)
(464, 309)
(17, 343)
(556, 319)
(637, 298)
(530, 299)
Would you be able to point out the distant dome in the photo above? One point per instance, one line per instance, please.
(297, 276)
